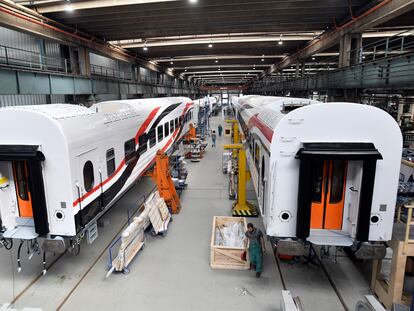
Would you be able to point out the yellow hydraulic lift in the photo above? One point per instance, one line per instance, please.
(241, 207)
(235, 130)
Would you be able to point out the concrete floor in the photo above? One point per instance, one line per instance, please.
(173, 272)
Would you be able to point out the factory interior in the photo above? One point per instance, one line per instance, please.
(205, 155)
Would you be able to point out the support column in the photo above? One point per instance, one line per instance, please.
(358, 53)
(345, 51)
(297, 70)
(84, 61)
(302, 68)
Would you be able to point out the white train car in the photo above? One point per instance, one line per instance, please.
(63, 165)
(323, 173)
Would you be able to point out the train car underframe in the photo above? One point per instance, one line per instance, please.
(320, 213)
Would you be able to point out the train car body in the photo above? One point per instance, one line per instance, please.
(62, 165)
(323, 173)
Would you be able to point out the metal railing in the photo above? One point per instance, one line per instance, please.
(16, 57)
(11, 56)
(397, 45)
(111, 72)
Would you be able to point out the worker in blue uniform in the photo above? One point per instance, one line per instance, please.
(256, 248)
(213, 139)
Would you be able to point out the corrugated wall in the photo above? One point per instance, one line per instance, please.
(19, 40)
(24, 49)
(21, 100)
(103, 61)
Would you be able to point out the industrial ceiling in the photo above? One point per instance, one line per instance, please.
(214, 41)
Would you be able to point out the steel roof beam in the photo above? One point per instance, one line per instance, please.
(212, 6)
(25, 20)
(384, 11)
(49, 7)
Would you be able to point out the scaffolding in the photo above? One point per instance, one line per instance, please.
(203, 122)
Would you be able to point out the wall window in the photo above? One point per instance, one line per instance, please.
(129, 148)
(172, 126)
(152, 138)
(142, 141)
(166, 129)
(110, 161)
(88, 176)
(160, 133)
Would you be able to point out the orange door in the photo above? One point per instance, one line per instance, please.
(328, 192)
(21, 181)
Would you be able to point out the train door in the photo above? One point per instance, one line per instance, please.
(21, 180)
(262, 186)
(328, 192)
(89, 178)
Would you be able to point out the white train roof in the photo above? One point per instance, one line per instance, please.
(270, 109)
(55, 111)
(78, 124)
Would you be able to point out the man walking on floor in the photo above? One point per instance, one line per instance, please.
(213, 139)
(220, 129)
(256, 248)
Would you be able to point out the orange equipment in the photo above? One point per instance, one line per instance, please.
(191, 135)
(162, 177)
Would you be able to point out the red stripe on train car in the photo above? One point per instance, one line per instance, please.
(263, 127)
(141, 130)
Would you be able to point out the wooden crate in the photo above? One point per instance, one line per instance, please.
(224, 257)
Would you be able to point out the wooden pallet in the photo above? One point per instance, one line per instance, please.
(402, 245)
(158, 213)
(224, 257)
(132, 241)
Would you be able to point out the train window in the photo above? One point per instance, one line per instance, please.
(110, 161)
(160, 133)
(88, 176)
(152, 138)
(142, 141)
(176, 123)
(21, 176)
(172, 126)
(180, 120)
(337, 181)
(166, 129)
(256, 154)
(317, 175)
(129, 148)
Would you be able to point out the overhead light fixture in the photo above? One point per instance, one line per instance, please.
(68, 7)
(210, 45)
(216, 61)
(262, 59)
(280, 40)
(172, 63)
(145, 48)
(193, 1)
(313, 58)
